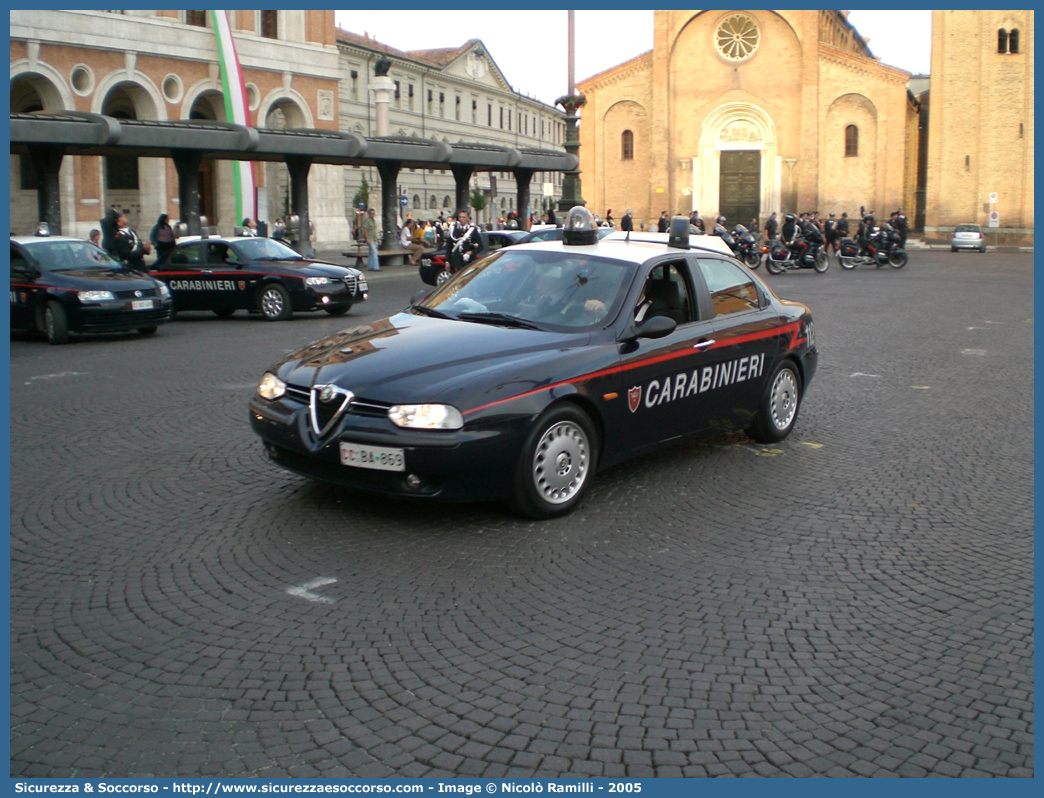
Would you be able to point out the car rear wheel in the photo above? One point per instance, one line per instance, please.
(442, 277)
(779, 405)
(557, 463)
(953, 249)
(56, 324)
(274, 303)
(147, 330)
(337, 310)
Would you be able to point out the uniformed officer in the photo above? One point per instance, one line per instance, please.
(462, 242)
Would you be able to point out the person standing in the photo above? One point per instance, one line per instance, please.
(626, 222)
(902, 226)
(771, 227)
(128, 247)
(369, 231)
(609, 218)
(664, 223)
(462, 242)
(830, 233)
(162, 236)
(842, 227)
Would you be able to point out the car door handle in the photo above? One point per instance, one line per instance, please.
(206, 271)
(704, 345)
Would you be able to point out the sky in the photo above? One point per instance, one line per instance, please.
(530, 47)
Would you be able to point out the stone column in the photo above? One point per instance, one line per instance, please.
(383, 88)
(462, 177)
(523, 177)
(389, 172)
(298, 168)
(47, 160)
(187, 162)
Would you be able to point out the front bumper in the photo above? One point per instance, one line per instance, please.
(471, 464)
(118, 317)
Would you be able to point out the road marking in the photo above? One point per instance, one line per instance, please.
(305, 591)
(861, 374)
(59, 375)
(973, 352)
(768, 452)
(813, 445)
(976, 328)
(921, 387)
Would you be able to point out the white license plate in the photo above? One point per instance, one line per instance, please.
(141, 304)
(373, 457)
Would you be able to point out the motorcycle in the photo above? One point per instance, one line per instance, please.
(781, 259)
(745, 247)
(882, 248)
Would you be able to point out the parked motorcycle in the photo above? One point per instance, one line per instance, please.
(882, 248)
(745, 247)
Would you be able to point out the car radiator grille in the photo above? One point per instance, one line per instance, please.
(350, 283)
(136, 293)
(358, 407)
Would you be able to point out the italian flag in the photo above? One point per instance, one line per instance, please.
(236, 110)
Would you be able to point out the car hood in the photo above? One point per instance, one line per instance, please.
(106, 276)
(410, 358)
(313, 268)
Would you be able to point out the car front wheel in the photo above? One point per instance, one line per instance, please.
(442, 277)
(337, 310)
(56, 324)
(557, 463)
(275, 303)
(147, 330)
(779, 405)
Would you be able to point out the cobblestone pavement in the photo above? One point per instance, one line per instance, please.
(856, 600)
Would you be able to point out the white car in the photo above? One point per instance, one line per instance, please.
(968, 236)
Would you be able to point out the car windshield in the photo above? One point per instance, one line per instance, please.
(967, 228)
(546, 290)
(60, 256)
(266, 249)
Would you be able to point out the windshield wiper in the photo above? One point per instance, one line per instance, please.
(426, 311)
(499, 318)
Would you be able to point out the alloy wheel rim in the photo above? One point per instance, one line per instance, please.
(561, 462)
(272, 303)
(784, 399)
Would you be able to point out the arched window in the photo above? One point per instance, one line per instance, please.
(627, 145)
(851, 141)
(1002, 41)
(446, 201)
(432, 202)
(1013, 41)
(416, 201)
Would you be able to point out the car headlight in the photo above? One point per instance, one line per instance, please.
(426, 416)
(95, 296)
(317, 280)
(271, 387)
(164, 291)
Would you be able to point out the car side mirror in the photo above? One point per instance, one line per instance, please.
(656, 327)
(26, 272)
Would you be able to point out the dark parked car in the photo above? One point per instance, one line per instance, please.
(532, 369)
(433, 269)
(61, 285)
(260, 275)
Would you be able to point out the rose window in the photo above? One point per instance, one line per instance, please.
(737, 37)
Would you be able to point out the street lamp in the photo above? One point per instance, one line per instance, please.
(571, 102)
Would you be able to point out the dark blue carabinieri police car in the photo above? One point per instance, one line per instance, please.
(538, 366)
